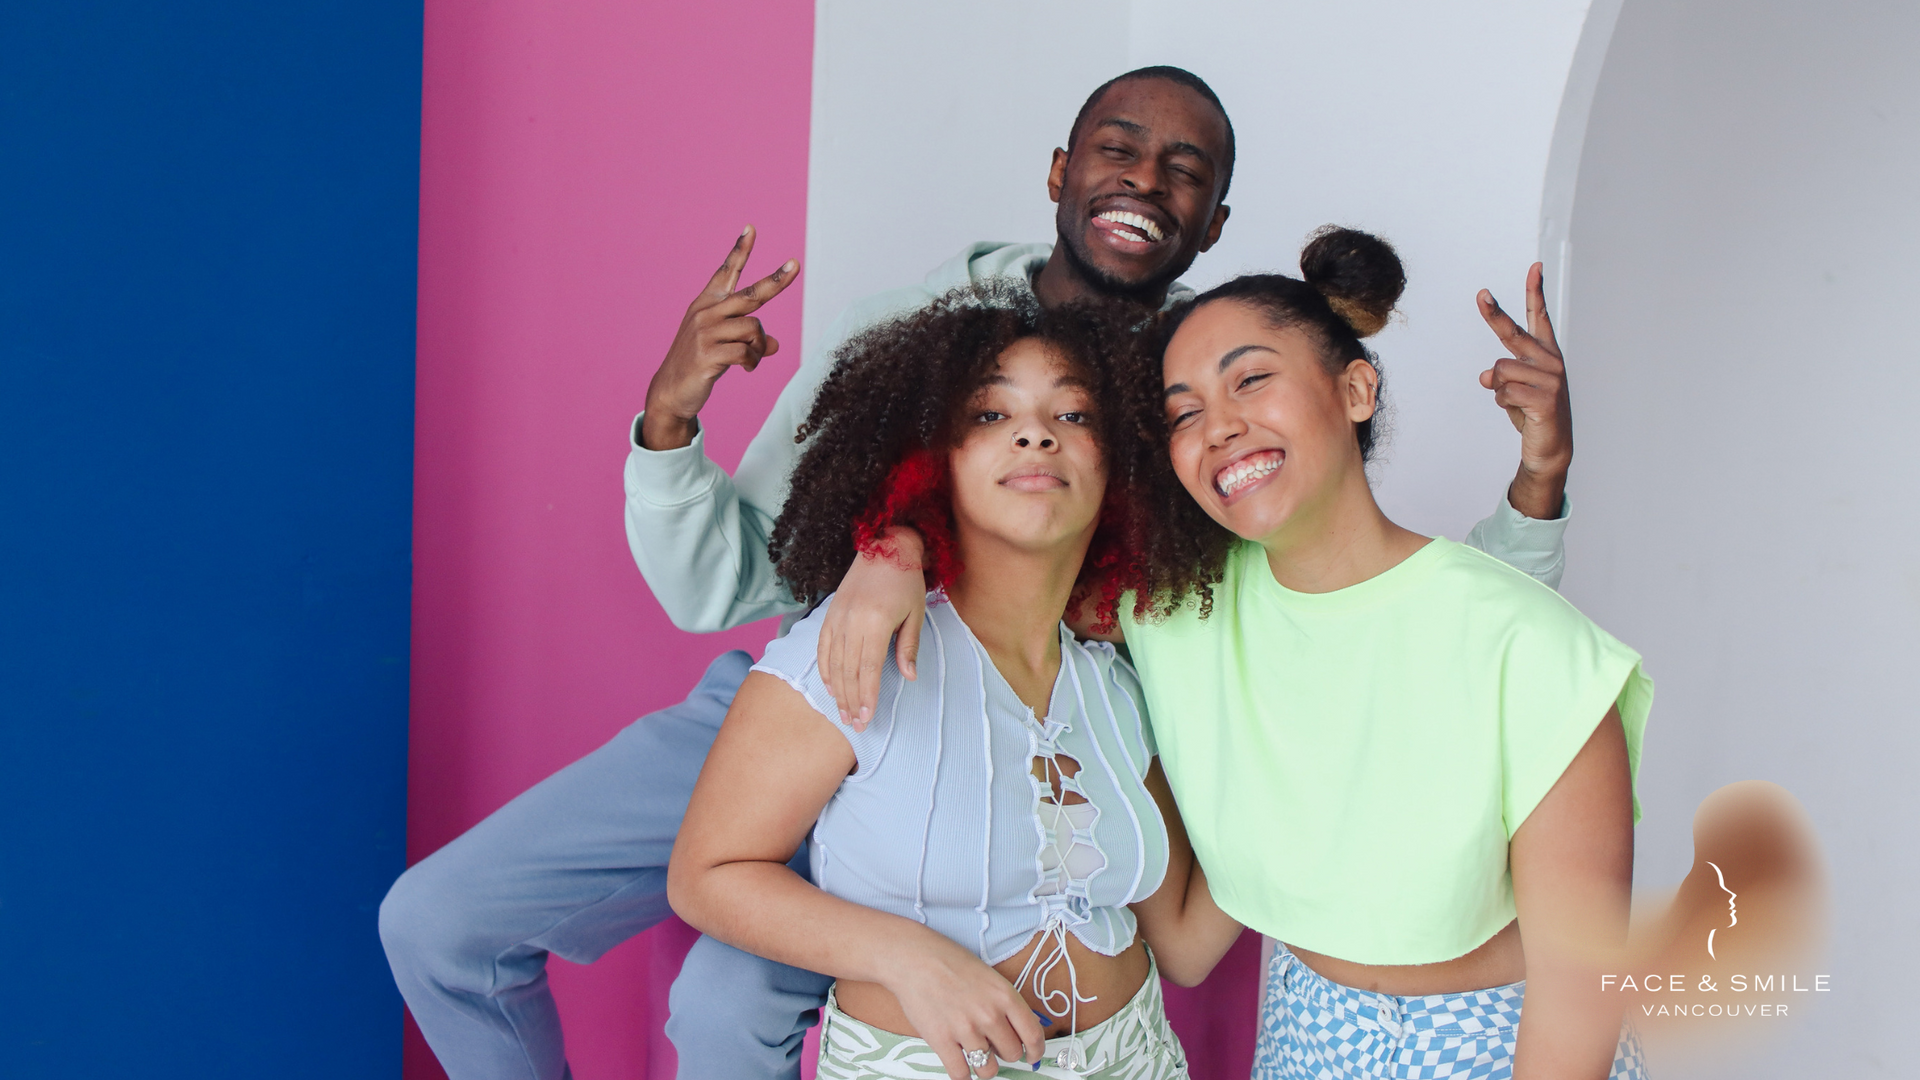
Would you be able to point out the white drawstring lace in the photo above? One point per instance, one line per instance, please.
(1049, 952)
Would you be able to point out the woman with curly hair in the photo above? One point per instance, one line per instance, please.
(991, 849)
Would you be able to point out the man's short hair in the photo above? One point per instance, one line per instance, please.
(1167, 73)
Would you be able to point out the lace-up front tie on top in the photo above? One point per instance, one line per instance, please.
(971, 815)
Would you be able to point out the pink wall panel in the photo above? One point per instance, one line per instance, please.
(584, 166)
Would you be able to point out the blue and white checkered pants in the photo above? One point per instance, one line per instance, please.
(1314, 1029)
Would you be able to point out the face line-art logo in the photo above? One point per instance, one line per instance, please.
(1732, 912)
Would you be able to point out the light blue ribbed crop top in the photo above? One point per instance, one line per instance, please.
(946, 819)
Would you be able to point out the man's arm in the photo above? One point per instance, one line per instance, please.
(1528, 529)
(699, 543)
(1534, 547)
(700, 546)
(698, 535)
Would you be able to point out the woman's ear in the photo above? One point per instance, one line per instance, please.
(1362, 384)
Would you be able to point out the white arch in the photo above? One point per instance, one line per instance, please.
(1557, 189)
(1743, 268)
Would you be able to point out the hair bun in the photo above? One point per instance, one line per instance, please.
(1358, 273)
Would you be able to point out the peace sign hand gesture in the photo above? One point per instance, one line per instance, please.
(718, 332)
(1532, 386)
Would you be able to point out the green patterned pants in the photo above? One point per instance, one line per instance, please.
(1133, 1044)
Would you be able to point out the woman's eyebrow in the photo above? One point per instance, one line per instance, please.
(1225, 363)
(1235, 354)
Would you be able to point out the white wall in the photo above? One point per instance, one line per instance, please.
(1430, 123)
(1744, 274)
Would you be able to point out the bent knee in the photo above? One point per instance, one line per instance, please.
(404, 912)
(424, 926)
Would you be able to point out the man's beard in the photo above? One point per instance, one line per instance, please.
(1153, 290)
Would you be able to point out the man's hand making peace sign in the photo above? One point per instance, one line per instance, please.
(1532, 386)
(718, 332)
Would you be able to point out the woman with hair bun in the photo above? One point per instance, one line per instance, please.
(987, 847)
(1409, 763)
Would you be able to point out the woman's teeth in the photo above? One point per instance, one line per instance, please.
(1136, 222)
(1245, 472)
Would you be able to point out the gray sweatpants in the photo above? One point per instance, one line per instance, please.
(575, 866)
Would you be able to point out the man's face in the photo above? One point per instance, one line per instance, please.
(1139, 196)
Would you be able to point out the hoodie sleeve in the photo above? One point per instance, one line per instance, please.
(698, 535)
(1533, 547)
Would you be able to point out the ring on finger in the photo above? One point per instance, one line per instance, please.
(976, 1059)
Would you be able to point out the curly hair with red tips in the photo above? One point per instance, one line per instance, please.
(878, 438)
(917, 492)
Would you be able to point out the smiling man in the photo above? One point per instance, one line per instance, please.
(1139, 188)
(577, 864)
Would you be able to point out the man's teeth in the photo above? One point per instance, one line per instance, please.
(1246, 472)
(1134, 221)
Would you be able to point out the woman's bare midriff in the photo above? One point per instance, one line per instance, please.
(1110, 980)
(1497, 962)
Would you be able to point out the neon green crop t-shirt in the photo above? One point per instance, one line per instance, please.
(1352, 764)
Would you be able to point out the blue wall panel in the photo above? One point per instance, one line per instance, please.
(207, 253)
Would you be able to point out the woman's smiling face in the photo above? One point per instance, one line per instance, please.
(1261, 430)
